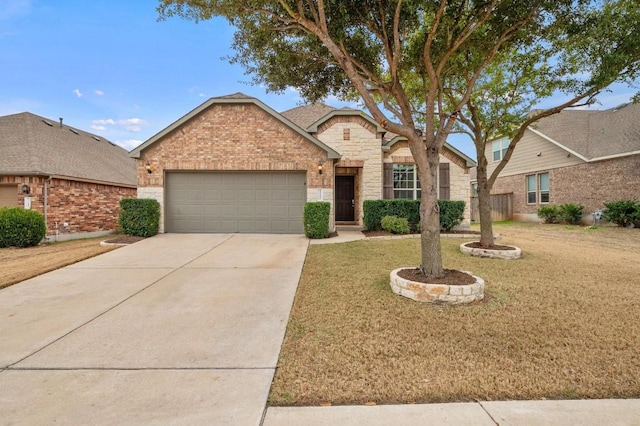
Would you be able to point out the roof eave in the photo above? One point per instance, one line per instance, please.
(344, 112)
(558, 144)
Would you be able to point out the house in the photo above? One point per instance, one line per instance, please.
(233, 164)
(577, 156)
(74, 178)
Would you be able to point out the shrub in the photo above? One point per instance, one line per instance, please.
(21, 228)
(139, 216)
(549, 214)
(451, 214)
(375, 210)
(622, 212)
(395, 224)
(570, 213)
(316, 219)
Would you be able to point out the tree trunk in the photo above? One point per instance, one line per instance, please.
(484, 205)
(431, 259)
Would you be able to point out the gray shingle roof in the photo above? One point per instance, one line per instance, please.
(30, 144)
(595, 134)
(305, 115)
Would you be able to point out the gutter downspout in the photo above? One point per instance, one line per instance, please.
(46, 205)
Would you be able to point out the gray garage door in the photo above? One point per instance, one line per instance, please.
(260, 202)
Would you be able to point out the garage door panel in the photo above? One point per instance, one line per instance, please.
(265, 202)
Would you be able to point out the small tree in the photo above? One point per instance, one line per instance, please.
(599, 48)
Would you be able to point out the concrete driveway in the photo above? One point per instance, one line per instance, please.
(175, 329)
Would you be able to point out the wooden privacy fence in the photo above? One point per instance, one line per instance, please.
(501, 207)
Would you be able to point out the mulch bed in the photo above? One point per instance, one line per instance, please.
(386, 234)
(451, 277)
(476, 244)
(126, 239)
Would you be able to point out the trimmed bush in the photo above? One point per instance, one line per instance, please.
(622, 212)
(549, 214)
(316, 219)
(139, 216)
(20, 227)
(451, 213)
(395, 224)
(570, 213)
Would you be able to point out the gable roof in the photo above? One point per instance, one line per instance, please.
(234, 99)
(594, 135)
(309, 117)
(34, 145)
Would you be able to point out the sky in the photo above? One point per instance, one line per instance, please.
(109, 67)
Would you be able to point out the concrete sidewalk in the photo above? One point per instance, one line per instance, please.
(175, 329)
(503, 413)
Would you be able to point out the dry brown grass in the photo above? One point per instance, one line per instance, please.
(19, 264)
(561, 323)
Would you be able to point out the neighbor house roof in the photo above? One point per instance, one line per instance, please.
(309, 117)
(34, 145)
(236, 98)
(594, 135)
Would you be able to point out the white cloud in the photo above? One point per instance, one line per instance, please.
(13, 8)
(128, 144)
(99, 92)
(102, 122)
(130, 124)
(77, 92)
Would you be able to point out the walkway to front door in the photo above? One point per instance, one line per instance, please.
(345, 198)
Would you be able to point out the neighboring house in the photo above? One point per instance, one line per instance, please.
(233, 164)
(578, 156)
(74, 178)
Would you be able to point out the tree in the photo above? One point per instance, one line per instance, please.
(397, 56)
(600, 48)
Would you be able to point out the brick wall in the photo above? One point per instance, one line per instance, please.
(85, 207)
(233, 137)
(589, 184)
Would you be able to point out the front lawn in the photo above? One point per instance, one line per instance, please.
(19, 264)
(561, 323)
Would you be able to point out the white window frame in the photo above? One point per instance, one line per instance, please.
(537, 191)
(499, 147)
(401, 186)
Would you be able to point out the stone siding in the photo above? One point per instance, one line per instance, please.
(358, 142)
(85, 207)
(459, 183)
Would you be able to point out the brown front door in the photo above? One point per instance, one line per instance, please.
(345, 198)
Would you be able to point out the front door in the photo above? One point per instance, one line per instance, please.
(345, 198)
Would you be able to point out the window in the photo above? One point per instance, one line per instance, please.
(543, 184)
(531, 189)
(538, 188)
(405, 182)
(474, 189)
(499, 148)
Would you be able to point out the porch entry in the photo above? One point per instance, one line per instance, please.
(345, 198)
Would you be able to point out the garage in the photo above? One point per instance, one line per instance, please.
(235, 201)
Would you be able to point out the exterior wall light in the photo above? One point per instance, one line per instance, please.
(320, 167)
(25, 189)
(148, 167)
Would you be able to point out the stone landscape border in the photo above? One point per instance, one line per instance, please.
(516, 253)
(437, 293)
